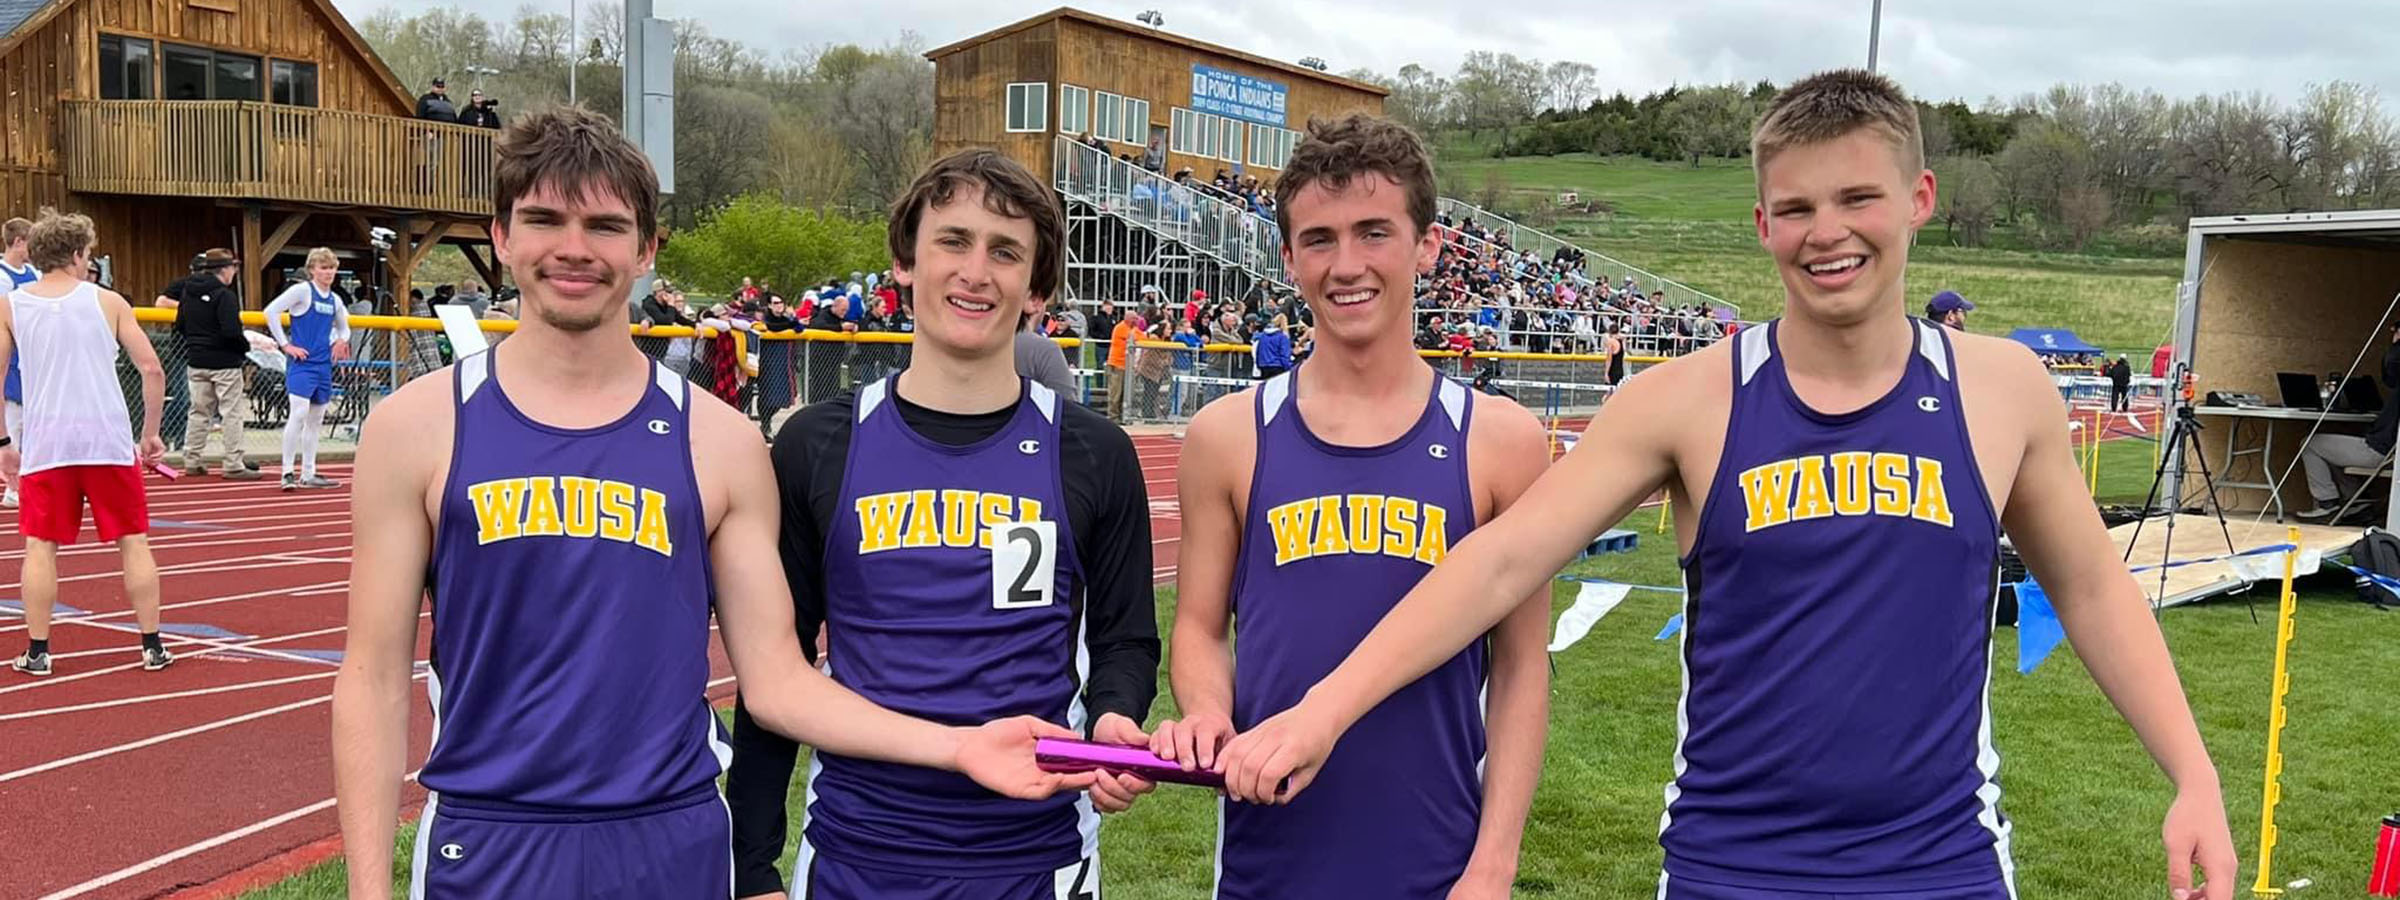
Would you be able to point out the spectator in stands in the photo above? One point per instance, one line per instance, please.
(1272, 350)
(1948, 308)
(1070, 318)
(208, 319)
(1102, 324)
(1155, 158)
(1042, 360)
(470, 292)
(435, 105)
(1227, 329)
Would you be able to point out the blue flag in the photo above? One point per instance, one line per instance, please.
(2038, 630)
(1674, 624)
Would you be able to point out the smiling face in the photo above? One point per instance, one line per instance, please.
(1838, 217)
(574, 257)
(972, 276)
(1355, 254)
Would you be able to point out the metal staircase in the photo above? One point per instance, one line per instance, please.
(1128, 227)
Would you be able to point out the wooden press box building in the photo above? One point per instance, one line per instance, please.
(1072, 73)
(263, 126)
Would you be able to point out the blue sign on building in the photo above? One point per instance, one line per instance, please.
(1238, 96)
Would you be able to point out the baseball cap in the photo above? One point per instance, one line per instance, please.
(440, 83)
(1948, 301)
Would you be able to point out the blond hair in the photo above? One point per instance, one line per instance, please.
(323, 256)
(57, 238)
(1832, 105)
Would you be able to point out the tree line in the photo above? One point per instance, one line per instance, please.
(841, 129)
(2066, 164)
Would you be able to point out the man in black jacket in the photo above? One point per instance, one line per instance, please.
(208, 317)
(479, 112)
(2120, 384)
(435, 104)
(2325, 455)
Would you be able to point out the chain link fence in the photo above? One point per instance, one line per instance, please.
(768, 376)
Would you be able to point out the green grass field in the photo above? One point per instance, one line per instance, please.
(1694, 225)
(2085, 798)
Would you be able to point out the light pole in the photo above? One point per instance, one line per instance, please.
(479, 71)
(574, 37)
(1874, 34)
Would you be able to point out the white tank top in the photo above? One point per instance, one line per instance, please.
(74, 409)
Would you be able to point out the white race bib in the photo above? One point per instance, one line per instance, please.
(1024, 564)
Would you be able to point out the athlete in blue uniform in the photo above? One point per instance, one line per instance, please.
(319, 337)
(975, 545)
(19, 272)
(576, 512)
(1310, 506)
(1840, 478)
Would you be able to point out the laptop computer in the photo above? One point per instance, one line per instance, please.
(2358, 395)
(2300, 391)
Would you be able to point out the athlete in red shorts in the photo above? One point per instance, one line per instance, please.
(79, 442)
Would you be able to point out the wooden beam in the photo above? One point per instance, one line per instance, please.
(283, 235)
(366, 232)
(490, 270)
(404, 257)
(253, 293)
(423, 246)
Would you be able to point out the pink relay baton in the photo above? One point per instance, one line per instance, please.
(1062, 755)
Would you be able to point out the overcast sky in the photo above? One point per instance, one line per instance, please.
(1940, 49)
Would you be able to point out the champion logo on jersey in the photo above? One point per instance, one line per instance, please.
(453, 851)
(658, 426)
(1929, 404)
(1029, 446)
(1438, 451)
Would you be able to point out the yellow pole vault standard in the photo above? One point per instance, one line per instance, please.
(2094, 469)
(1666, 501)
(2272, 792)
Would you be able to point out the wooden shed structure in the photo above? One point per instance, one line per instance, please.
(1076, 74)
(262, 126)
(2308, 293)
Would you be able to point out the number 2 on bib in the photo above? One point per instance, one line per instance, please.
(1024, 564)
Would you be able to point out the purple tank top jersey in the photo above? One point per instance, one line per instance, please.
(1835, 723)
(571, 598)
(1332, 539)
(953, 594)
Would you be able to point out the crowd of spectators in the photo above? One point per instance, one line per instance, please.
(1485, 295)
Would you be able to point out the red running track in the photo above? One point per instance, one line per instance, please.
(216, 775)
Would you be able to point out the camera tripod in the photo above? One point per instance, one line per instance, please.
(2182, 447)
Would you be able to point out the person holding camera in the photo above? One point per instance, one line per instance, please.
(480, 112)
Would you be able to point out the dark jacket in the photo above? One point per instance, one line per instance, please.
(479, 116)
(436, 107)
(2387, 422)
(208, 316)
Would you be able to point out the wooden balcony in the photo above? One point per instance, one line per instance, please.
(260, 151)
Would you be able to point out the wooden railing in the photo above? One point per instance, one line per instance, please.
(205, 148)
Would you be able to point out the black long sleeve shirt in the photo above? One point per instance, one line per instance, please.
(1108, 512)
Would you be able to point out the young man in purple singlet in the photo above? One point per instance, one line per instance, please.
(1841, 477)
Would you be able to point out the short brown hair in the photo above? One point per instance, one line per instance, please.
(14, 230)
(56, 238)
(568, 148)
(1008, 190)
(1334, 152)
(1832, 105)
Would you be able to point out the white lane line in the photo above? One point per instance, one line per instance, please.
(187, 604)
(154, 740)
(152, 698)
(197, 847)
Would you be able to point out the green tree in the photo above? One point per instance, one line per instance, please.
(758, 236)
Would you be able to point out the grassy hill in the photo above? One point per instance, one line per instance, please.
(1693, 224)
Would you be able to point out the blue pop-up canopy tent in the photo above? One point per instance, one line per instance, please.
(2051, 340)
